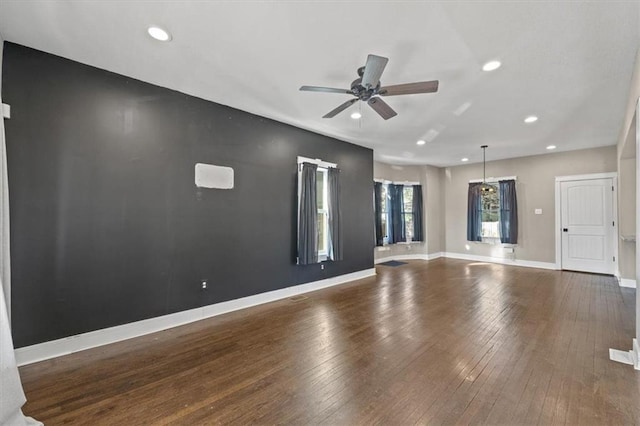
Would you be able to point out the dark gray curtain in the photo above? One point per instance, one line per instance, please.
(474, 212)
(335, 214)
(397, 221)
(508, 212)
(377, 207)
(308, 220)
(417, 213)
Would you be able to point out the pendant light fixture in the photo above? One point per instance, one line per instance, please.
(485, 187)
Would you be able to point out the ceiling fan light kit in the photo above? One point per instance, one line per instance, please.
(368, 88)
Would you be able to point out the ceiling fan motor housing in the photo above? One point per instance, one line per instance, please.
(362, 92)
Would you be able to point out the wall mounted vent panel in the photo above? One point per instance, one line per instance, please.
(210, 176)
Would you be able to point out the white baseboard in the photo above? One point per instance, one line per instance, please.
(409, 257)
(517, 262)
(92, 339)
(627, 357)
(625, 282)
(435, 255)
(623, 357)
(472, 257)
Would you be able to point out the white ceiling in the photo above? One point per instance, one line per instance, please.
(570, 63)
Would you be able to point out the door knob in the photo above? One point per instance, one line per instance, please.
(565, 229)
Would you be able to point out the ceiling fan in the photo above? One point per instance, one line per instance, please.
(368, 88)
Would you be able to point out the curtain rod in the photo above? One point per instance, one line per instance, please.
(494, 179)
(317, 161)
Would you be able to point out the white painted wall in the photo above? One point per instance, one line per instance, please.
(535, 188)
(625, 139)
(430, 179)
(627, 215)
(445, 202)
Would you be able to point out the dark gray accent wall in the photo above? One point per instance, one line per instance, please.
(107, 226)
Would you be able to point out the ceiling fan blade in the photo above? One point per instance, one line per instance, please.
(410, 88)
(325, 89)
(341, 108)
(382, 108)
(373, 70)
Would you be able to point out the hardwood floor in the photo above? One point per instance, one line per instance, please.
(439, 342)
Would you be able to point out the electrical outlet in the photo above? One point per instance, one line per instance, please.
(321, 266)
(204, 284)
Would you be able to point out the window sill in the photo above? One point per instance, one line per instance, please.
(489, 241)
(401, 243)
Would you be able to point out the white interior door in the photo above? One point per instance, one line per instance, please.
(587, 225)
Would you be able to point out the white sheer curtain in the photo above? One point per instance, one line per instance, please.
(11, 394)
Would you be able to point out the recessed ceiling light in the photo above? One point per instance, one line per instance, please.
(159, 34)
(356, 115)
(551, 147)
(531, 119)
(491, 66)
(420, 142)
(464, 160)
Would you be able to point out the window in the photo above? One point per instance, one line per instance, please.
(399, 220)
(323, 213)
(490, 213)
(384, 212)
(407, 212)
(319, 214)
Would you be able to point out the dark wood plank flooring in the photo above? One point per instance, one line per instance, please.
(439, 342)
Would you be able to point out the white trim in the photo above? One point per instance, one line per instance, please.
(401, 257)
(503, 261)
(624, 357)
(322, 167)
(92, 339)
(6, 111)
(587, 177)
(558, 212)
(628, 283)
(471, 257)
(558, 225)
(635, 354)
(317, 161)
(494, 179)
(616, 219)
(631, 357)
(404, 182)
(431, 256)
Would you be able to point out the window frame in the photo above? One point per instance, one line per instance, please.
(386, 211)
(492, 239)
(322, 165)
(323, 253)
(495, 181)
(404, 213)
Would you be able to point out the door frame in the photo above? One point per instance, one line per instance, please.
(614, 178)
